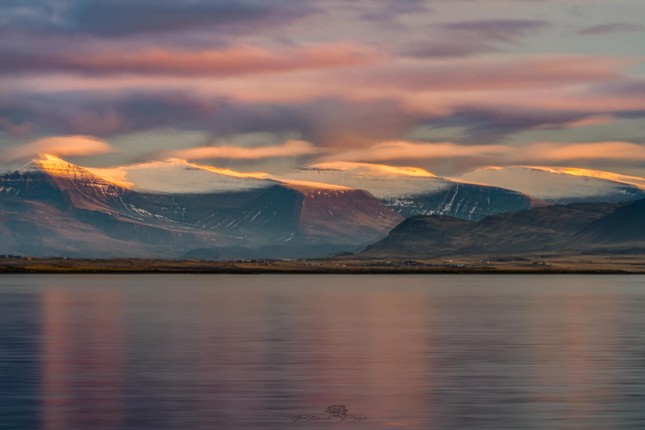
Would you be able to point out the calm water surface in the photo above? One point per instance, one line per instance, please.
(193, 352)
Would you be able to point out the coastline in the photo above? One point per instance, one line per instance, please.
(347, 266)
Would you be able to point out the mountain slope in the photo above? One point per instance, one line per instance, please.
(412, 191)
(540, 229)
(623, 226)
(176, 176)
(560, 185)
(63, 200)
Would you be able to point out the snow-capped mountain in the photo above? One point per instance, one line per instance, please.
(179, 176)
(52, 207)
(413, 191)
(384, 182)
(561, 185)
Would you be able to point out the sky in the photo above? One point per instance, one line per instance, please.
(446, 85)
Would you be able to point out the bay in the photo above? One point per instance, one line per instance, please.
(276, 351)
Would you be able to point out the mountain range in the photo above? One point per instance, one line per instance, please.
(558, 185)
(176, 209)
(581, 228)
(56, 208)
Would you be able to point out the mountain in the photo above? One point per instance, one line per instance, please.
(626, 225)
(559, 185)
(412, 191)
(53, 207)
(545, 229)
(181, 177)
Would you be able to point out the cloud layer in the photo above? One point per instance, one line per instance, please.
(64, 146)
(367, 79)
(537, 152)
(291, 148)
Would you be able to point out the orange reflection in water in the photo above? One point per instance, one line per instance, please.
(366, 351)
(83, 363)
(575, 347)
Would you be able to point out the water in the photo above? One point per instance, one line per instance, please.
(273, 352)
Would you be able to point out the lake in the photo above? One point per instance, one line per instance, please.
(198, 352)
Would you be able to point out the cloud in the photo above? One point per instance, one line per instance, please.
(617, 27)
(233, 61)
(486, 124)
(14, 129)
(402, 150)
(387, 12)
(586, 151)
(466, 38)
(585, 121)
(491, 72)
(501, 30)
(119, 18)
(325, 121)
(447, 48)
(64, 146)
(291, 148)
(538, 152)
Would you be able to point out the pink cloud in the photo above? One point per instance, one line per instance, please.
(400, 150)
(491, 72)
(584, 151)
(235, 61)
(291, 148)
(590, 121)
(545, 152)
(64, 146)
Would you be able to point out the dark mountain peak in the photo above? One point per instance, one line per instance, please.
(625, 225)
(526, 231)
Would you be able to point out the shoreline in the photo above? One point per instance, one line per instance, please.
(587, 265)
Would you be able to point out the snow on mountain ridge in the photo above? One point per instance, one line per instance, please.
(559, 184)
(55, 166)
(600, 174)
(180, 176)
(172, 175)
(381, 180)
(369, 168)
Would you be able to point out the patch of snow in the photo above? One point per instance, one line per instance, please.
(555, 183)
(180, 176)
(382, 181)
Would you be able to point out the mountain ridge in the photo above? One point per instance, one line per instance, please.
(552, 229)
(561, 185)
(53, 195)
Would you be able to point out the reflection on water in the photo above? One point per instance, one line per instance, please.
(253, 352)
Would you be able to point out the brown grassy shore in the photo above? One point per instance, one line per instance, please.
(607, 264)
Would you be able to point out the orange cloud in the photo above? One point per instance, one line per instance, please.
(554, 152)
(65, 146)
(400, 150)
(236, 61)
(492, 72)
(584, 122)
(291, 148)
(531, 153)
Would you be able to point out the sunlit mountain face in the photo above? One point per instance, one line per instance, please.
(412, 191)
(179, 176)
(562, 185)
(177, 209)
(52, 207)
